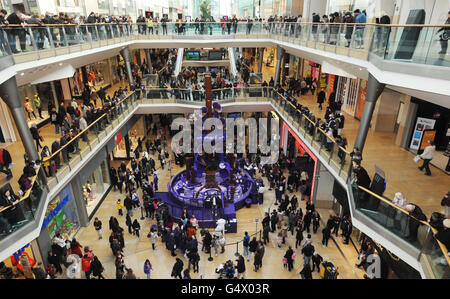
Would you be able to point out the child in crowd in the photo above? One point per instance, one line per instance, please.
(120, 207)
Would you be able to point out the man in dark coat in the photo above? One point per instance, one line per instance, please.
(321, 98)
(177, 268)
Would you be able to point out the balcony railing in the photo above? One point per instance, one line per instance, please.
(22, 210)
(419, 44)
(79, 146)
(417, 233)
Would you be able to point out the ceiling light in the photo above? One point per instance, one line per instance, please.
(60, 64)
(22, 74)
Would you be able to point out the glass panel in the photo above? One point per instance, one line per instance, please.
(394, 220)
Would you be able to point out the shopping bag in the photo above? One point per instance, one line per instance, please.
(416, 159)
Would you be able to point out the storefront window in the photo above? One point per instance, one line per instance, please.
(61, 215)
(19, 264)
(95, 187)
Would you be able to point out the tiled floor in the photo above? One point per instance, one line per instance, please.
(138, 249)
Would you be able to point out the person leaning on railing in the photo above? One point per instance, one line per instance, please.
(445, 36)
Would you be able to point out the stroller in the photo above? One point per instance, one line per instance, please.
(328, 271)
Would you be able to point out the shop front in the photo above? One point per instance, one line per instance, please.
(305, 160)
(98, 75)
(19, 265)
(95, 187)
(432, 123)
(61, 215)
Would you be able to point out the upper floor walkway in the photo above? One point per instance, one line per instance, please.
(52, 52)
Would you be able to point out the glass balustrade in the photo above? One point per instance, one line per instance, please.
(397, 220)
(408, 43)
(19, 210)
(72, 148)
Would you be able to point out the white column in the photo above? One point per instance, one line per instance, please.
(6, 123)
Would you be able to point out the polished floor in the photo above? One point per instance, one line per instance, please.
(137, 250)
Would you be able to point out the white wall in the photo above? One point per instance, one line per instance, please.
(45, 5)
(435, 10)
(310, 6)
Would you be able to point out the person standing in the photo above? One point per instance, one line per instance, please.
(5, 162)
(321, 98)
(308, 252)
(86, 266)
(177, 268)
(245, 244)
(147, 268)
(240, 267)
(427, 156)
(298, 236)
(317, 260)
(444, 36)
(326, 234)
(98, 227)
(97, 268)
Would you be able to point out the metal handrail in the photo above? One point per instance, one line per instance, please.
(390, 203)
(220, 23)
(82, 132)
(27, 193)
(313, 123)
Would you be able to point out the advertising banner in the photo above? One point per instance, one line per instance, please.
(422, 124)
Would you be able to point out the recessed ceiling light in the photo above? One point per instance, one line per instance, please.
(60, 64)
(22, 74)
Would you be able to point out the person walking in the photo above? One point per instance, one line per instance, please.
(98, 227)
(147, 268)
(153, 238)
(129, 224)
(308, 252)
(427, 156)
(288, 256)
(136, 227)
(36, 136)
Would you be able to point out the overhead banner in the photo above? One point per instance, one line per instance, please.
(422, 124)
(330, 85)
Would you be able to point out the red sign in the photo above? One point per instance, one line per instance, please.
(330, 85)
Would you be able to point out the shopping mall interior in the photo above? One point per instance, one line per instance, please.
(196, 139)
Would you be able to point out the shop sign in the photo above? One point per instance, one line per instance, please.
(19, 252)
(55, 212)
